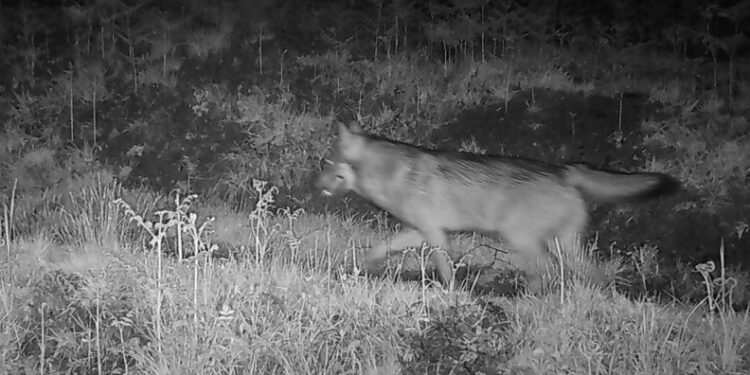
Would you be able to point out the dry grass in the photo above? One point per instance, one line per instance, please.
(287, 302)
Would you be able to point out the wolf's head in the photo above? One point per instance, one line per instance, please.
(339, 176)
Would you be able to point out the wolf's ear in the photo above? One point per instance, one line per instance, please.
(355, 128)
(347, 134)
(342, 129)
(350, 142)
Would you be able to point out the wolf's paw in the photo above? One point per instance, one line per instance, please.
(371, 261)
(534, 284)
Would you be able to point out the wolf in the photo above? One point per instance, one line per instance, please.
(528, 203)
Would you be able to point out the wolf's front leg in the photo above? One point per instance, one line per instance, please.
(406, 238)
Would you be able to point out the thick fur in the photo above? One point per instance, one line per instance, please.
(528, 203)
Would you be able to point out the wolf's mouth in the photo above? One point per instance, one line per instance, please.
(326, 193)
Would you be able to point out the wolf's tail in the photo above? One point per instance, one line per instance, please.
(602, 186)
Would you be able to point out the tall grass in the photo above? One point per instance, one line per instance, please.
(286, 301)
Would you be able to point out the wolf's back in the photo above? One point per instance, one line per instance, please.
(602, 186)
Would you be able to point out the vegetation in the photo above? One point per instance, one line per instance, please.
(158, 215)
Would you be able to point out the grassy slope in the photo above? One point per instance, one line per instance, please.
(289, 304)
(94, 306)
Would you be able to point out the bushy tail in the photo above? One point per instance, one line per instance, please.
(602, 186)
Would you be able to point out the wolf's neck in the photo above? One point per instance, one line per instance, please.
(382, 176)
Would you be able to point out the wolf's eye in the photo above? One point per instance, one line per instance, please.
(339, 177)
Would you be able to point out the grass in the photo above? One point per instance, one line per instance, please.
(101, 279)
(119, 303)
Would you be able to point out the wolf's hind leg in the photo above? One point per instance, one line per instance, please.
(575, 256)
(536, 260)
